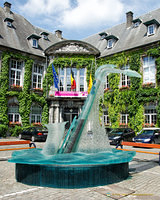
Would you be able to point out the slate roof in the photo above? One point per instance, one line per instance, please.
(128, 38)
(16, 37)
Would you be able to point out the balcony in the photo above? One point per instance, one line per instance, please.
(69, 94)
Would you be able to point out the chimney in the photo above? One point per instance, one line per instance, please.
(58, 34)
(129, 19)
(7, 7)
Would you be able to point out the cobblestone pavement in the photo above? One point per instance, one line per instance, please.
(142, 184)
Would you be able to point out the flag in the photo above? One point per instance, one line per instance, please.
(55, 78)
(90, 84)
(73, 82)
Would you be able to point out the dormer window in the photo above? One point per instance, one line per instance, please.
(34, 43)
(103, 35)
(44, 35)
(9, 22)
(136, 22)
(110, 43)
(111, 40)
(152, 26)
(34, 40)
(151, 29)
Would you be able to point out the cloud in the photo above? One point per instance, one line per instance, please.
(73, 13)
(44, 7)
(89, 13)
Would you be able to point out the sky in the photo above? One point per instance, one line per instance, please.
(78, 19)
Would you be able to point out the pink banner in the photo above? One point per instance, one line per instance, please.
(70, 94)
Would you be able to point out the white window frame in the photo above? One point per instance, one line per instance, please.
(124, 118)
(61, 79)
(110, 43)
(106, 118)
(124, 79)
(37, 116)
(106, 85)
(9, 23)
(35, 45)
(14, 114)
(149, 29)
(38, 74)
(136, 24)
(45, 37)
(81, 87)
(66, 77)
(150, 64)
(13, 67)
(151, 114)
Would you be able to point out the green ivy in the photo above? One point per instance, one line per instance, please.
(134, 99)
(25, 97)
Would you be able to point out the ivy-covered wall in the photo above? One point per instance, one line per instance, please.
(116, 100)
(134, 98)
(25, 96)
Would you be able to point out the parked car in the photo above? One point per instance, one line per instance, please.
(118, 134)
(148, 135)
(34, 134)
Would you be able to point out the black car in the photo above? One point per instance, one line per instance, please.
(118, 134)
(148, 135)
(34, 134)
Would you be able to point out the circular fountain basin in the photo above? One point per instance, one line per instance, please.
(71, 170)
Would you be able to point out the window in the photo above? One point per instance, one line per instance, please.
(125, 80)
(110, 43)
(68, 70)
(44, 35)
(35, 43)
(149, 70)
(37, 76)
(82, 78)
(150, 114)
(106, 118)
(151, 29)
(136, 24)
(15, 72)
(106, 85)
(61, 79)
(33, 40)
(124, 118)
(36, 113)
(9, 22)
(65, 79)
(103, 35)
(13, 114)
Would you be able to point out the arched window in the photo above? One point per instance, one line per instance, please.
(13, 111)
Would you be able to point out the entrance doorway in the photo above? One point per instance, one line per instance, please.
(69, 114)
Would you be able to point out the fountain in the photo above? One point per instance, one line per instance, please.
(83, 158)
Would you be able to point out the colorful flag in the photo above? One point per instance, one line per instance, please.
(55, 78)
(73, 82)
(90, 84)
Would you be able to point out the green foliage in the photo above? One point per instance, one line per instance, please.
(3, 129)
(15, 131)
(25, 97)
(131, 100)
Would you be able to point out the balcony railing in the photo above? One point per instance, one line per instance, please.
(69, 94)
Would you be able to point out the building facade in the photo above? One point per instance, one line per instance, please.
(27, 53)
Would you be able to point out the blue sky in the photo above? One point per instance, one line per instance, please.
(78, 19)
